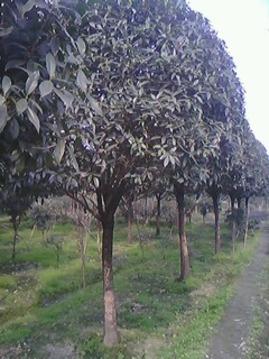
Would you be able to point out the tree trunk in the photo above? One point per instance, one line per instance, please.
(246, 221)
(15, 230)
(190, 218)
(130, 220)
(203, 219)
(111, 335)
(83, 265)
(233, 222)
(183, 246)
(238, 202)
(146, 211)
(158, 215)
(58, 256)
(99, 237)
(215, 198)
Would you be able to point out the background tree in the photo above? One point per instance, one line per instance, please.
(15, 206)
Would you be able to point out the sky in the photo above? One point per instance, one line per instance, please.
(244, 26)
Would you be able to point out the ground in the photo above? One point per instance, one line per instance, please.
(46, 314)
(233, 337)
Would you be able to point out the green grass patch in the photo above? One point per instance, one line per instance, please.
(46, 304)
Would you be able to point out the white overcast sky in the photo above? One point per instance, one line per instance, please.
(244, 25)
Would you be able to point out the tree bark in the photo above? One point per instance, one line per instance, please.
(146, 211)
(233, 222)
(111, 335)
(83, 265)
(246, 221)
(58, 255)
(183, 246)
(15, 230)
(158, 215)
(215, 198)
(130, 220)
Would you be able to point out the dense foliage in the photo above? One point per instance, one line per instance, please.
(97, 100)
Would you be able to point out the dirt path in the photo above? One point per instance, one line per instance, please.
(230, 338)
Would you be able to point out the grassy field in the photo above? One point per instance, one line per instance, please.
(44, 313)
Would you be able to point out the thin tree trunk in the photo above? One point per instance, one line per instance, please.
(83, 271)
(238, 202)
(246, 221)
(146, 211)
(99, 236)
(233, 222)
(158, 215)
(82, 251)
(183, 247)
(15, 229)
(111, 335)
(58, 255)
(215, 198)
(203, 219)
(130, 220)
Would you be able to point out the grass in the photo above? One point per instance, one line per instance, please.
(259, 338)
(158, 316)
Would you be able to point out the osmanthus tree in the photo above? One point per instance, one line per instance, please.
(204, 135)
(15, 205)
(147, 70)
(220, 170)
(39, 78)
(160, 194)
(128, 210)
(231, 112)
(255, 174)
(247, 176)
(159, 187)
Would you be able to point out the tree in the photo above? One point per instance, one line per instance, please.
(15, 206)
(40, 82)
(141, 62)
(160, 192)
(255, 174)
(127, 206)
(204, 208)
(220, 108)
(146, 74)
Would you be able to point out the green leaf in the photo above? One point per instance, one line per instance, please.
(3, 117)
(81, 46)
(73, 158)
(33, 118)
(45, 88)
(166, 161)
(96, 182)
(82, 81)
(21, 106)
(6, 84)
(14, 64)
(6, 31)
(59, 150)
(95, 105)
(51, 65)
(32, 82)
(65, 96)
(27, 7)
